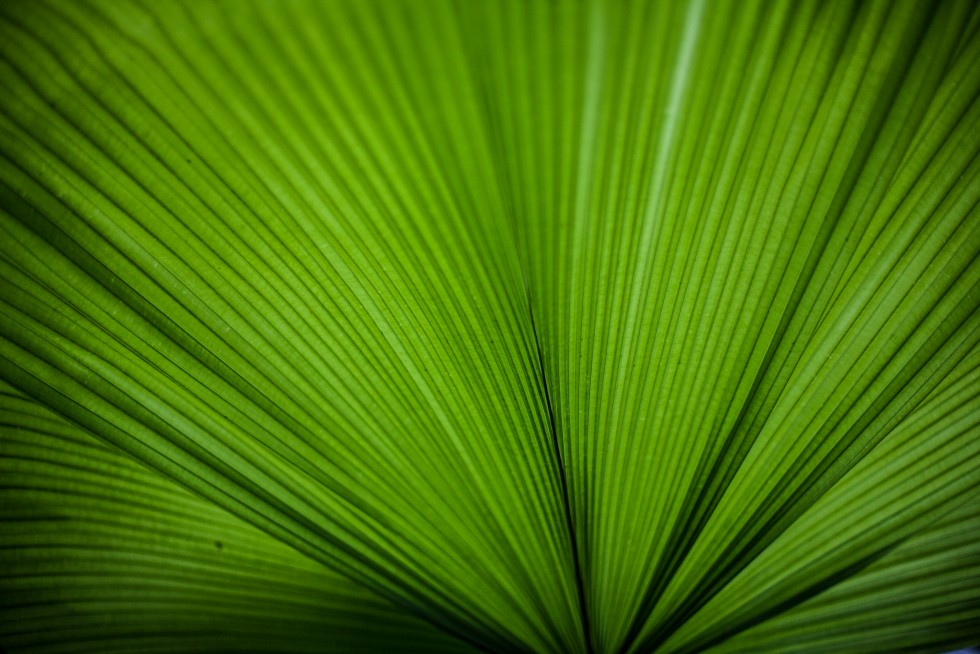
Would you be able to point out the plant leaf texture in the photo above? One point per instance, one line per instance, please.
(600, 326)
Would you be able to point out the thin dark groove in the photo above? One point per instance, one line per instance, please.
(563, 479)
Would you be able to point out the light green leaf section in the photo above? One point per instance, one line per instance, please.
(267, 264)
(752, 236)
(563, 326)
(102, 555)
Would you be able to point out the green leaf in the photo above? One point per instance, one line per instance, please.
(555, 327)
(106, 555)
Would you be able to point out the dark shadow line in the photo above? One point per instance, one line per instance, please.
(563, 479)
